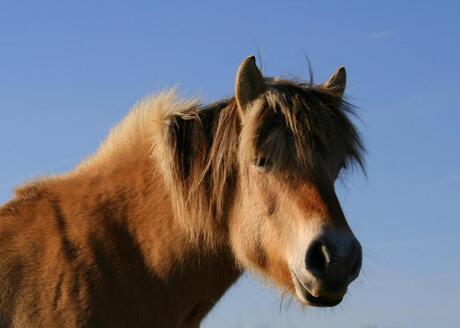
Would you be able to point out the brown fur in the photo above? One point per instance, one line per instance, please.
(154, 228)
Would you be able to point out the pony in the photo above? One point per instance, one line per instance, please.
(179, 201)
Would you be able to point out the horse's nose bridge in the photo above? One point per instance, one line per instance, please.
(316, 203)
(310, 203)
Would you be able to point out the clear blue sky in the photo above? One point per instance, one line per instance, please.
(69, 72)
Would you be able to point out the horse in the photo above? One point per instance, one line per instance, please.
(179, 201)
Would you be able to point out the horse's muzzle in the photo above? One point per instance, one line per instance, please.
(332, 261)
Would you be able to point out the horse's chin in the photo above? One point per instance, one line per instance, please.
(306, 297)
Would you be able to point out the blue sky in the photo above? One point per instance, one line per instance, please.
(70, 71)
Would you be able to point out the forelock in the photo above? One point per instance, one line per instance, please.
(297, 126)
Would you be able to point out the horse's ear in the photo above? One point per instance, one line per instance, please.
(337, 82)
(249, 84)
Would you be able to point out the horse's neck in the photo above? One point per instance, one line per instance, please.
(137, 189)
(125, 177)
(180, 277)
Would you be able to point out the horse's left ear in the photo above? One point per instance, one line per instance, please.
(337, 82)
(249, 84)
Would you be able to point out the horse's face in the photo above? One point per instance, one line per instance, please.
(289, 224)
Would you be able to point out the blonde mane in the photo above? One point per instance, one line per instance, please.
(154, 129)
(136, 134)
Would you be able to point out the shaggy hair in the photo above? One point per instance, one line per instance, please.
(301, 128)
(295, 126)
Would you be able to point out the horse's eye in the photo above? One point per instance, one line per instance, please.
(261, 163)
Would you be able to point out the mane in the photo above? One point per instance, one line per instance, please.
(135, 135)
(193, 145)
(196, 147)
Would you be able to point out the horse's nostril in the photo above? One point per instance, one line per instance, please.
(318, 258)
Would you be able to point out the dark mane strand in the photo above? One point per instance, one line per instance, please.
(204, 144)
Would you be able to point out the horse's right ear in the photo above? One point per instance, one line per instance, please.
(249, 84)
(337, 82)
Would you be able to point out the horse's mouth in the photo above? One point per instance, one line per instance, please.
(306, 297)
